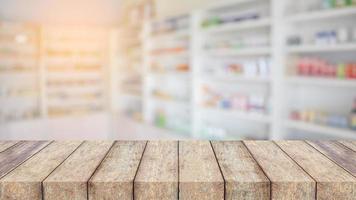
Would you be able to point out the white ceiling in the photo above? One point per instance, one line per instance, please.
(62, 12)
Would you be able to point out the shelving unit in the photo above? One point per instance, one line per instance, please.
(19, 59)
(167, 97)
(75, 67)
(320, 90)
(233, 67)
(320, 129)
(130, 56)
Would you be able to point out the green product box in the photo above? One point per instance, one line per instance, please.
(341, 71)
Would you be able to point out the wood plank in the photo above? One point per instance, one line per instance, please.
(244, 178)
(333, 182)
(25, 181)
(157, 176)
(339, 153)
(114, 177)
(289, 181)
(6, 144)
(200, 176)
(69, 180)
(349, 144)
(17, 154)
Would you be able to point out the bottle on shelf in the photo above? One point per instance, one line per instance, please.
(353, 117)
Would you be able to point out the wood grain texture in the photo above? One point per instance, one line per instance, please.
(288, 180)
(114, 178)
(157, 176)
(17, 154)
(200, 176)
(244, 178)
(69, 180)
(6, 144)
(339, 153)
(349, 144)
(333, 182)
(24, 183)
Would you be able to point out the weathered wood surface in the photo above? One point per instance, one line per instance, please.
(157, 176)
(332, 180)
(114, 178)
(244, 178)
(69, 180)
(6, 144)
(349, 144)
(289, 181)
(199, 173)
(339, 153)
(108, 170)
(25, 181)
(17, 154)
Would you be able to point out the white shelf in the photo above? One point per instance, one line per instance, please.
(232, 79)
(326, 130)
(171, 35)
(322, 48)
(324, 82)
(322, 14)
(248, 24)
(255, 51)
(232, 114)
(184, 75)
(227, 3)
(171, 102)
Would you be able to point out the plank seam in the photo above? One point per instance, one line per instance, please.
(42, 188)
(50, 142)
(332, 160)
(138, 167)
(345, 146)
(97, 167)
(10, 146)
(222, 174)
(178, 169)
(263, 171)
(316, 182)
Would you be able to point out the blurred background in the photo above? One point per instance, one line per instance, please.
(177, 69)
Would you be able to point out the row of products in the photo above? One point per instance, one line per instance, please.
(73, 83)
(239, 43)
(69, 53)
(161, 94)
(213, 132)
(78, 67)
(305, 6)
(11, 91)
(326, 119)
(18, 114)
(169, 50)
(133, 109)
(316, 5)
(217, 20)
(170, 25)
(54, 111)
(65, 96)
(173, 122)
(234, 101)
(247, 68)
(333, 36)
(310, 66)
(17, 68)
(181, 67)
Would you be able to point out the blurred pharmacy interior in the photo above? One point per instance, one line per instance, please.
(177, 69)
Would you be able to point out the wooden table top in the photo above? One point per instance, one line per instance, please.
(177, 170)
